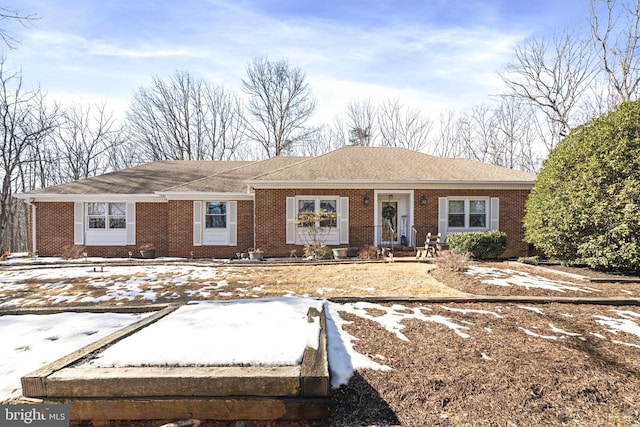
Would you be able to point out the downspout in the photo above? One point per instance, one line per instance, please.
(29, 202)
(254, 216)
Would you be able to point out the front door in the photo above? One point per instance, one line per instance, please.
(389, 221)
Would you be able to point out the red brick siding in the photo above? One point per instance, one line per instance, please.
(170, 225)
(272, 216)
(512, 204)
(54, 227)
(271, 213)
(54, 230)
(180, 231)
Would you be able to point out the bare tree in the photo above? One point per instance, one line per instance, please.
(361, 119)
(25, 122)
(279, 105)
(13, 15)
(552, 77)
(86, 137)
(403, 126)
(615, 29)
(183, 118)
(447, 142)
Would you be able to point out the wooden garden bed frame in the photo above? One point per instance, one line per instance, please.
(102, 395)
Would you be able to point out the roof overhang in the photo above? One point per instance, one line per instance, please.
(109, 197)
(218, 196)
(415, 185)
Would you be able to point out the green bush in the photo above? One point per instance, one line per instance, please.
(585, 206)
(481, 245)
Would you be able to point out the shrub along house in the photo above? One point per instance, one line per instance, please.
(377, 195)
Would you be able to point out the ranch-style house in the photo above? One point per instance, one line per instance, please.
(376, 195)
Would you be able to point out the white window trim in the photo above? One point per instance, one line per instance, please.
(467, 213)
(83, 235)
(493, 215)
(336, 235)
(203, 236)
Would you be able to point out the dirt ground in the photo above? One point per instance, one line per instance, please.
(509, 371)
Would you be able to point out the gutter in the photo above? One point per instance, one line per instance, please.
(29, 202)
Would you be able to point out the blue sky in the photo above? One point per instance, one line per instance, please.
(430, 54)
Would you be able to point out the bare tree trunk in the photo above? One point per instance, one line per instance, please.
(551, 77)
(184, 119)
(615, 29)
(279, 105)
(24, 124)
(402, 126)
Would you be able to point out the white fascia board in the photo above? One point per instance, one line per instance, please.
(221, 196)
(110, 197)
(418, 185)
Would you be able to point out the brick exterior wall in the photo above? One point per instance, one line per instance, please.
(180, 231)
(54, 228)
(271, 213)
(170, 225)
(512, 203)
(54, 231)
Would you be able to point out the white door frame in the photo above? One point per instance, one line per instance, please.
(380, 196)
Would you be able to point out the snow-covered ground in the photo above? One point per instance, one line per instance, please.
(27, 342)
(508, 277)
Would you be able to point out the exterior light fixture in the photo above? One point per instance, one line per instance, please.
(366, 200)
(423, 200)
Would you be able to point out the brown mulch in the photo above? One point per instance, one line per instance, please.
(499, 376)
(474, 284)
(441, 379)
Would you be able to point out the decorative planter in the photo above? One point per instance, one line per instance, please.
(340, 252)
(256, 255)
(148, 253)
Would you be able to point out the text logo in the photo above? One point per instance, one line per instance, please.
(34, 415)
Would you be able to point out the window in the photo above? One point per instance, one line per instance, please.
(329, 210)
(478, 213)
(117, 215)
(317, 212)
(216, 215)
(306, 213)
(468, 213)
(456, 213)
(107, 216)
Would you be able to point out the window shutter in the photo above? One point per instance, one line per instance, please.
(343, 220)
(495, 213)
(442, 217)
(291, 216)
(78, 223)
(131, 223)
(233, 223)
(197, 223)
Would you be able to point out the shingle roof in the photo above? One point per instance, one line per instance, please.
(234, 180)
(345, 165)
(144, 179)
(391, 164)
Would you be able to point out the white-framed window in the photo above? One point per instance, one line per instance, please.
(215, 215)
(468, 214)
(215, 223)
(102, 223)
(318, 212)
(306, 222)
(106, 216)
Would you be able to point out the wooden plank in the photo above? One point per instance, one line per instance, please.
(314, 371)
(175, 381)
(99, 410)
(34, 383)
(493, 299)
(83, 309)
